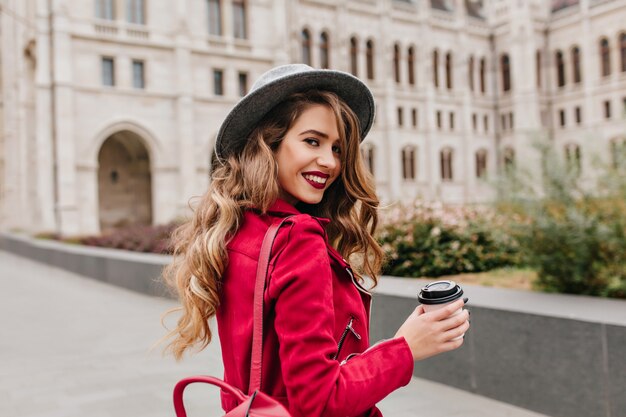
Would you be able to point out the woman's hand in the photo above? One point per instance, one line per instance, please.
(431, 333)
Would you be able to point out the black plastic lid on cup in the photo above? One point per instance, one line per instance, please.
(440, 292)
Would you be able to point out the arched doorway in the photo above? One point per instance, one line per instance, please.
(124, 181)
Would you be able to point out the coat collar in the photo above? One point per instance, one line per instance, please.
(282, 208)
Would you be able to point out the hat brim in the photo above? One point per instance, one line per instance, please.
(242, 119)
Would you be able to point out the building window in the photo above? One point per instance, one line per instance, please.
(446, 164)
(214, 9)
(105, 9)
(108, 71)
(449, 70)
(135, 12)
(607, 109)
(572, 158)
(511, 125)
(367, 153)
(243, 83)
(451, 116)
(324, 51)
(474, 121)
(306, 47)
(622, 50)
(414, 117)
(560, 69)
(503, 122)
(576, 65)
(396, 62)
(486, 123)
(400, 117)
(538, 68)
(470, 73)
(481, 163)
(439, 119)
(436, 68)
(508, 157)
(408, 163)
(578, 115)
(411, 65)
(618, 153)
(506, 72)
(605, 57)
(218, 82)
(369, 57)
(562, 118)
(240, 19)
(354, 56)
(483, 68)
(139, 78)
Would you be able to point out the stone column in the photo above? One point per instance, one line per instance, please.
(43, 126)
(184, 115)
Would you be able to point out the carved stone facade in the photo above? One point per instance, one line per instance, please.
(110, 107)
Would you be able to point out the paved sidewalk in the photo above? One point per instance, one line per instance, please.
(75, 347)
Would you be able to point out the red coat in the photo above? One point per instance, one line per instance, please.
(317, 312)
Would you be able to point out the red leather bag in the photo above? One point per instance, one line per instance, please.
(256, 403)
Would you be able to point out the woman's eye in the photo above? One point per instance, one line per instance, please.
(337, 149)
(313, 142)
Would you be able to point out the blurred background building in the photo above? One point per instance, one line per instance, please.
(110, 108)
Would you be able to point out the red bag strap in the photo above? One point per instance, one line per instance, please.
(259, 289)
(179, 407)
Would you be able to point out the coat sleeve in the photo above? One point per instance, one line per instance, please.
(317, 385)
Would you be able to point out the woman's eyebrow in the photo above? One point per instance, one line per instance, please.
(314, 132)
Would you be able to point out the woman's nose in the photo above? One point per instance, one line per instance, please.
(327, 159)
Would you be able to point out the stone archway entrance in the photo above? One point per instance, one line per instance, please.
(124, 181)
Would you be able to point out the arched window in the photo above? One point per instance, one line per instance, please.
(411, 65)
(436, 68)
(508, 157)
(214, 10)
(449, 70)
(369, 56)
(446, 155)
(538, 66)
(408, 163)
(354, 56)
(470, 73)
(505, 65)
(306, 47)
(240, 19)
(368, 154)
(560, 69)
(605, 57)
(576, 65)
(483, 68)
(622, 50)
(324, 51)
(396, 62)
(572, 158)
(481, 163)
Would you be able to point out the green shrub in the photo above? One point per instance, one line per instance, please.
(573, 234)
(431, 240)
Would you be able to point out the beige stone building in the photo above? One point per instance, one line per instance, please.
(110, 107)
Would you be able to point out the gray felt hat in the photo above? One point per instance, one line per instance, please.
(279, 83)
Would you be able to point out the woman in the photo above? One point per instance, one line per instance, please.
(291, 148)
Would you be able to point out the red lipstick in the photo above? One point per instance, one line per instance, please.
(317, 185)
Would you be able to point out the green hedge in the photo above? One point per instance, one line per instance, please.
(432, 240)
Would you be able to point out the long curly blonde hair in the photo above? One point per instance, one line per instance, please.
(247, 180)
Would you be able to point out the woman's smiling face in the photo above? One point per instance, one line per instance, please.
(309, 156)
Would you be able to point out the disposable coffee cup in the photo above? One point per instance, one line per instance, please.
(439, 294)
